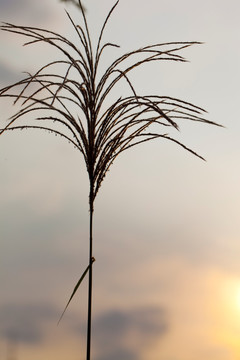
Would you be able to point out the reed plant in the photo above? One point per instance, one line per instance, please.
(71, 97)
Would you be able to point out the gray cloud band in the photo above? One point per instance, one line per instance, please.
(24, 323)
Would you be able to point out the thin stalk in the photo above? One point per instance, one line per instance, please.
(91, 260)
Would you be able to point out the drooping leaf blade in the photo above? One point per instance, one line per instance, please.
(75, 289)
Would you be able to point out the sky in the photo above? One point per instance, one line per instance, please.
(166, 226)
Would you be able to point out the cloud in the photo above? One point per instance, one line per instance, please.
(122, 334)
(7, 5)
(117, 334)
(24, 323)
(25, 10)
(8, 75)
(119, 354)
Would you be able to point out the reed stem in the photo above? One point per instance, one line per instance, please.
(90, 275)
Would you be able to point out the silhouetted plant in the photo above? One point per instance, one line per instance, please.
(75, 105)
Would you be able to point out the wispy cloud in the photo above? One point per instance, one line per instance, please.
(7, 74)
(23, 9)
(119, 354)
(25, 322)
(122, 334)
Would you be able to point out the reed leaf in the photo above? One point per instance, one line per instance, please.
(75, 289)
